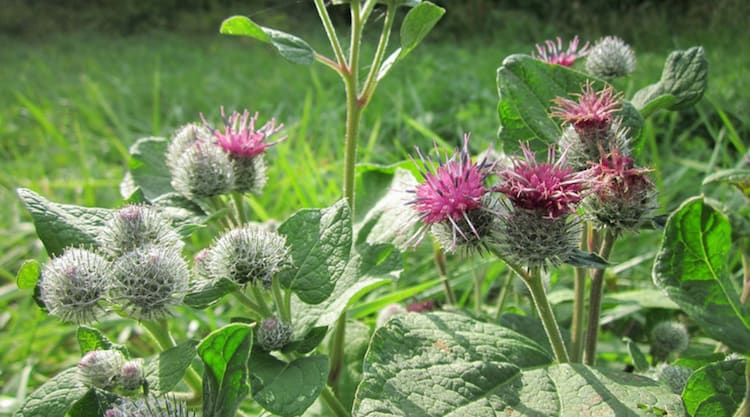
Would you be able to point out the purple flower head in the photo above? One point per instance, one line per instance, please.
(550, 187)
(240, 137)
(554, 53)
(593, 110)
(451, 194)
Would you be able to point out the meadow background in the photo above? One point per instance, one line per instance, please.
(80, 81)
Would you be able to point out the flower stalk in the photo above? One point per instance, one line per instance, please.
(579, 305)
(595, 299)
(536, 287)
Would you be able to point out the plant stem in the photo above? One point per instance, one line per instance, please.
(595, 300)
(260, 301)
(159, 331)
(285, 312)
(503, 294)
(371, 81)
(250, 304)
(744, 408)
(745, 278)
(478, 280)
(536, 287)
(439, 257)
(240, 207)
(579, 305)
(330, 32)
(333, 403)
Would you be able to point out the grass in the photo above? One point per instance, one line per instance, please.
(70, 107)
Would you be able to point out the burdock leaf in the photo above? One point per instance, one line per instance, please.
(90, 339)
(417, 24)
(289, 46)
(739, 178)
(62, 225)
(682, 84)
(224, 353)
(287, 388)
(165, 371)
(443, 364)
(55, 397)
(526, 87)
(721, 382)
(202, 297)
(691, 266)
(148, 167)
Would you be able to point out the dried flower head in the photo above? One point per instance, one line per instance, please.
(203, 170)
(149, 406)
(591, 114)
(74, 285)
(623, 194)
(451, 199)
(240, 138)
(250, 254)
(101, 368)
(553, 53)
(273, 334)
(610, 58)
(134, 226)
(149, 281)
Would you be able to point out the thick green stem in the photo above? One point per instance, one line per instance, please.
(333, 403)
(250, 304)
(744, 409)
(595, 300)
(159, 330)
(285, 311)
(579, 306)
(330, 32)
(536, 287)
(439, 257)
(239, 205)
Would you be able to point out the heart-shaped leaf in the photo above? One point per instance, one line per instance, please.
(55, 397)
(683, 82)
(719, 384)
(739, 178)
(289, 46)
(90, 339)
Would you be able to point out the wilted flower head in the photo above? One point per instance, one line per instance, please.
(149, 407)
(610, 58)
(74, 284)
(591, 113)
(453, 197)
(134, 226)
(101, 368)
(149, 281)
(273, 334)
(240, 138)
(249, 254)
(623, 194)
(551, 188)
(553, 53)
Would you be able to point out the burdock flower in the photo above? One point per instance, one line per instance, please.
(592, 112)
(537, 228)
(203, 170)
(134, 226)
(610, 58)
(553, 53)
(149, 406)
(623, 193)
(453, 200)
(273, 334)
(101, 368)
(73, 285)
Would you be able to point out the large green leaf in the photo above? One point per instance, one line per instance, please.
(62, 225)
(287, 389)
(683, 82)
(94, 404)
(225, 353)
(722, 382)
(54, 397)
(526, 87)
(148, 167)
(167, 369)
(321, 241)
(387, 220)
(289, 46)
(691, 267)
(442, 364)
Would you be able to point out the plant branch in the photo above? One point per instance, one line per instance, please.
(260, 301)
(595, 300)
(536, 287)
(240, 207)
(331, 32)
(333, 403)
(371, 81)
(504, 293)
(439, 257)
(579, 305)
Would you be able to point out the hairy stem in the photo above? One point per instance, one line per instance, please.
(260, 301)
(333, 403)
(536, 287)
(285, 312)
(330, 32)
(595, 300)
(239, 205)
(439, 256)
(579, 305)
(160, 332)
(371, 81)
(254, 308)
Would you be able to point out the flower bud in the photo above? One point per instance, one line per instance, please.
(131, 375)
(74, 285)
(668, 337)
(249, 174)
(101, 368)
(389, 311)
(675, 377)
(582, 152)
(134, 226)
(273, 334)
(203, 170)
(149, 406)
(534, 240)
(610, 58)
(249, 254)
(185, 138)
(149, 281)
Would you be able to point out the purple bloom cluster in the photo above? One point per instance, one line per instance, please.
(240, 138)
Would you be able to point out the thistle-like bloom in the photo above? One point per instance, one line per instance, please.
(452, 198)
(134, 226)
(551, 188)
(610, 58)
(623, 193)
(249, 254)
(553, 53)
(537, 229)
(592, 112)
(149, 407)
(240, 138)
(74, 285)
(101, 368)
(273, 334)
(149, 281)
